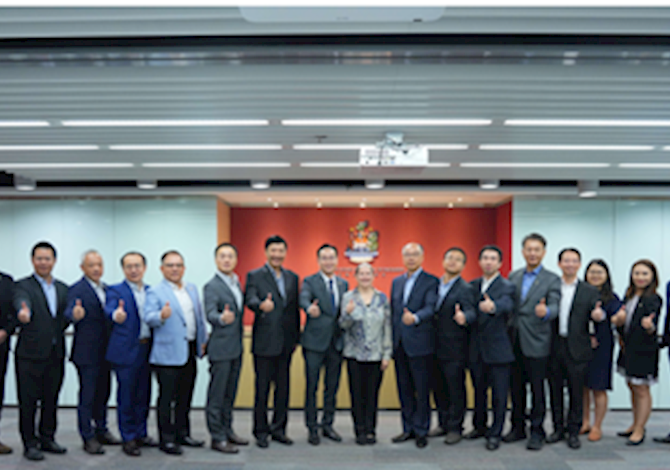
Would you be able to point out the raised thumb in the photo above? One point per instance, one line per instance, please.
(543, 301)
(458, 307)
(486, 297)
(122, 303)
(167, 304)
(23, 305)
(226, 307)
(269, 297)
(316, 302)
(78, 302)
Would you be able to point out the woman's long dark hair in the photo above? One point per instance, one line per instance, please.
(606, 291)
(653, 285)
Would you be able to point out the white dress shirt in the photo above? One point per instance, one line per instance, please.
(567, 295)
(99, 289)
(486, 283)
(140, 295)
(187, 309)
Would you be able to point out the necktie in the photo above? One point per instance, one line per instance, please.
(332, 295)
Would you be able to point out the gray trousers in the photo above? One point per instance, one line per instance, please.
(224, 376)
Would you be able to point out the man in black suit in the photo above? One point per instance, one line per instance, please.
(7, 327)
(571, 348)
(490, 348)
(322, 343)
(454, 311)
(40, 301)
(272, 294)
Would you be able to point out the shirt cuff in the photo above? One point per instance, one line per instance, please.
(547, 315)
(417, 320)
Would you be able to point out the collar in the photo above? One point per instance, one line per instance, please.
(491, 279)
(175, 286)
(535, 271)
(135, 286)
(41, 280)
(95, 285)
(326, 278)
(231, 277)
(572, 284)
(415, 275)
(272, 270)
(449, 283)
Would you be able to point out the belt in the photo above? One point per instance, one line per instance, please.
(144, 340)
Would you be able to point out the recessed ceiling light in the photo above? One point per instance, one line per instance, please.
(589, 122)
(260, 184)
(40, 148)
(587, 188)
(406, 205)
(217, 165)
(22, 183)
(165, 123)
(532, 165)
(564, 148)
(275, 205)
(196, 147)
(318, 205)
(55, 166)
(330, 165)
(362, 205)
(451, 205)
(147, 184)
(489, 184)
(459, 199)
(374, 184)
(385, 122)
(411, 199)
(24, 124)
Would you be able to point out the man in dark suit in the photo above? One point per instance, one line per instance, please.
(40, 301)
(454, 311)
(490, 348)
(272, 294)
(571, 348)
(224, 309)
(128, 352)
(413, 297)
(7, 327)
(538, 292)
(322, 343)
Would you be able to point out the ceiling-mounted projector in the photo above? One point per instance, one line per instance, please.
(393, 153)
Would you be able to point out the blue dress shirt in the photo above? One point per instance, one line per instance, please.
(49, 290)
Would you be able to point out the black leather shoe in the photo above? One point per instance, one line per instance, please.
(131, 449)
(555, 437)
(171, 448)
(52, 447)
(437, 432)
(313, 437)
(361, 440)
(190, 442)
(262, 442)
(514, 435)
(146, 441)
(282, 439)
(535, 442)
(662, 440)
(224, 447)
(33, 453)
(370, 439)
(237, 440)
(492, 443)
(630, 442)
(404, 437)
(93, 447)
(453, 438)
(475, 434)
(573, 441)
(421, 442)
(625, 433)
(108, 439)
(331, 434)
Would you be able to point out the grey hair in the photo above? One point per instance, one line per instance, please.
(89, 252)
(404, 248)
(364, 264)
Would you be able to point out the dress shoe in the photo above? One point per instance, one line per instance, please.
(224, 447)
(631, 442)
(33, 453)
(171, 448)
(662, 440)
(421, 442)
(556, 437)
(237, 440)
(535, 442)
(331, 434)
(573, 441)
(108, 439)
(313, 437)
(492, 443)
(514, 435)
(282, 439)
(370, 439)
(146, 441)
(131, 449)
(404, 437)
(437, 432)
(190, 442)
(93, 447)
(595, 434)
(453, 438)
(361, 440)
(262, 442)
(5, 449)
(475, 434)
(51, 447)
(625, 433)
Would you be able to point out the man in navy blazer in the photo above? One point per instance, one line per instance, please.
(491, 351)
(174, 313)
(128, 352)
(85, 308)
(413, 297)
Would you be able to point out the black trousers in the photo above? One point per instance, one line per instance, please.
(331, 361)
(38, 380)
(413, 379)
(174, 399)
(528, 370)
(563, 368)
(495, 376)
(4, 357)
(449, 394)
(270, 370)
(364, 381)
(224, 377)
(94, 388)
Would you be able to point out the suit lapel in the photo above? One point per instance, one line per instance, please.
(533, 286)
(273, 283)
(416, 284)
(91, 291)
(228, 292)
(172, 298)
(41, 296)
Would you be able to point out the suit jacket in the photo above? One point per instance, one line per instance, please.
(535, 333)
(274, 332)
(91, 333)
(37, 337)
(225, 342)
(637, 340)
(417, 340)
(319, 332)
(8, 321)
(489, 340)
(124, 343)
(170, 344)
(579, 338)
(452, 338)
(665, 339)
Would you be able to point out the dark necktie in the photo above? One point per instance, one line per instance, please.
(332, 294)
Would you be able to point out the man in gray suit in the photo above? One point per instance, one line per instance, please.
(224, 307)
(538, 294)
(322, 342)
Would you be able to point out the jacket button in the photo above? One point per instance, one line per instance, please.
(185, 338)
(184, 324)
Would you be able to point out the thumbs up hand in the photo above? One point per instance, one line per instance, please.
(314, 310)
(350, 306)
(620, 318)
(78, 311)
(541, 308)
(166, 311)
(119, 315)
(408, 317)
(648, 322)
(267, 305)
(598, 314)
(459, 316)
(24, 314)
(487, 305)
(227, 317)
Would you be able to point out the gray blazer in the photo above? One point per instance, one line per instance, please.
(225, 342)
(534, 333)
(320, 331)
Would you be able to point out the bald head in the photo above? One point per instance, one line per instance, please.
(91, 264)
(412, 256)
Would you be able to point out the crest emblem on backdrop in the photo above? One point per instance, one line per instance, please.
(363, 246)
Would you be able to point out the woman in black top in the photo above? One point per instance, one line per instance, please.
(637, 321)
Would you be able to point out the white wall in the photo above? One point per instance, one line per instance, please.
(113, 227)
(620, 232)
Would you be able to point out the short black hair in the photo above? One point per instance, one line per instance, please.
(323, 247)
(171, 252)
(574, 250)
(45, 245)
(123, 258)
(491, 248)
(275, 239)
(224, 244)
(534, 236)
(460, 250)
